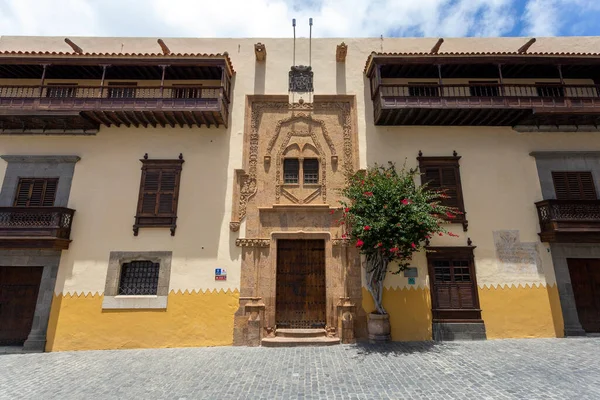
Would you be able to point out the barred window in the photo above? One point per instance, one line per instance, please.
(139, 278)
(291, 170)
(310, 167)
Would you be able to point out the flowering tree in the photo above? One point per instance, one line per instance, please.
(388, 217)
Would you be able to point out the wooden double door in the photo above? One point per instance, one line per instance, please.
(300, 300)
(585, 280)
(19, 287)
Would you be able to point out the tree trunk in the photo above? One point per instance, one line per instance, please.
(376, 271)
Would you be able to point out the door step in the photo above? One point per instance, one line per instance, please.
(300, 337)
(279, 341)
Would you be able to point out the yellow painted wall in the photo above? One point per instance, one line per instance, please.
(521, 311)
(77, 322)
(409, 310)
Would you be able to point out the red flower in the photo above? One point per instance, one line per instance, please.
(444, 196)
(427, 237)
(359, 243)
(394, 249)
(332, 212)
(398, 224)
(452, 234)
(344, 236)
(450, 215)
(414, 246)
(441, 234)
(346, 209)
(368, 194)
(405, 201)
(367, 228)
(378, 245)
(362, 182)
(385, 206)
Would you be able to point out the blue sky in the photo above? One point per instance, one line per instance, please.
(272, 18)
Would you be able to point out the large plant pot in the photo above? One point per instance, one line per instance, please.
(379, 327)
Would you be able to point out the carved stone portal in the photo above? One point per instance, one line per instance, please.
(273, 209)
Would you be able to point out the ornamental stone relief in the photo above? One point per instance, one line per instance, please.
(275, 130)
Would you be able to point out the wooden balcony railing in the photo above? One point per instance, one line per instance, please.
(35, 227)
(569, 220)
(515, 98)
(199, 104)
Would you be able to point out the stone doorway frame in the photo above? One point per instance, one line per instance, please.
(330, 289)
(560, 253)
(49, 260)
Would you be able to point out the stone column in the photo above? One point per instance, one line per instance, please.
(346, 315)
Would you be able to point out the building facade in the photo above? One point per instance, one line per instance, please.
(184, 192)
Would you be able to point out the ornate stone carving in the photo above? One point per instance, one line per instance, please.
(322, 161)
(234, 226)
(260, 51)
(309, 120)
(253, 242)
(301, 79)
(340, 52)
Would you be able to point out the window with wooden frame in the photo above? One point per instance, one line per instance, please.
(574, 185)
(61, 90)
(36, 192)
(454, 295)
(443, 173)
(122, 90)
(423, 89)
(483, 88)
(185, 91)
(159, 194)
(549, 90)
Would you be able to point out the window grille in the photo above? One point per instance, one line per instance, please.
(291, 168)
(139, 278)
(311, 170)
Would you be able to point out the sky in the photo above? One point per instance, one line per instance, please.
(272, 18)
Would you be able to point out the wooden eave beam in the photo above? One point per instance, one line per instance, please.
(436, 47)
(523, 49)
(166, 51)
(75, 48)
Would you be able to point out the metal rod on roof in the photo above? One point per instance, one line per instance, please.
(310, 42)
(439, 66)
(294, 26)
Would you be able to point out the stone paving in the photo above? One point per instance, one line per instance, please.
(493, 369)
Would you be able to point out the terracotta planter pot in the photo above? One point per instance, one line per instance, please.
(379, 327)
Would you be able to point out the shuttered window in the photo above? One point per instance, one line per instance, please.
(159, 192)
(36, 192)
(574, 185)
(443, 173)
(454, 284)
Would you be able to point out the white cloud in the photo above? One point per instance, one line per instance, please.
(256, 18)
(553, 17)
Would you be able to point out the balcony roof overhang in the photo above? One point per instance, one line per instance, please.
(15, 64)
(465, 58)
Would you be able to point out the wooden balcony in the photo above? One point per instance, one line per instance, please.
(486, 104)
(35, 227)
(82, 109)
(569, 221)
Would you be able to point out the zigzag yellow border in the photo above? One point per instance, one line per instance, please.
(172, 292)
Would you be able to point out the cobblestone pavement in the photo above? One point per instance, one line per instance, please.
(493, 369)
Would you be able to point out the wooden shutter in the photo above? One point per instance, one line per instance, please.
(444, 173)
(574, 185)
(36, 192)
(159, 192)
(453, 283)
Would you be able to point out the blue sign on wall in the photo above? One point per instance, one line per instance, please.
(411, 281)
